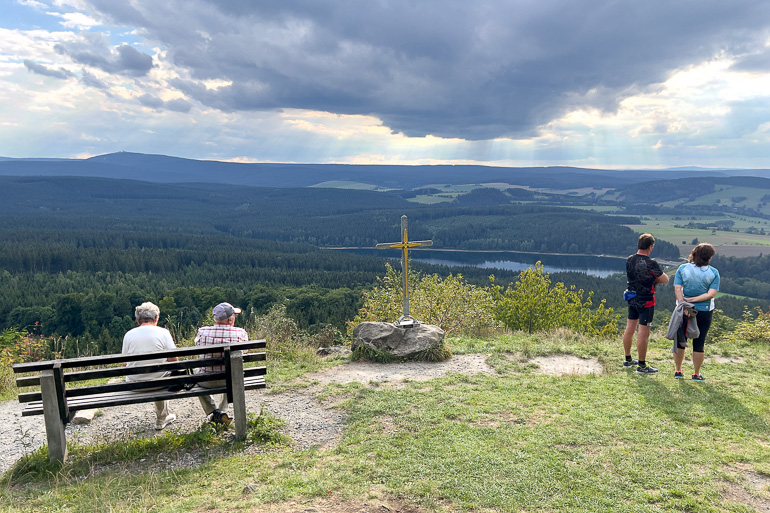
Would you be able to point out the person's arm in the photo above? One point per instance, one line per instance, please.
(678, 293)
(662, 279)
(708, 296)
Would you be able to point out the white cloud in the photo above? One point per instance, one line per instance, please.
(76, 20)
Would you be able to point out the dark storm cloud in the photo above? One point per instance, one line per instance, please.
(48, 72)
(92, 50)
(451, 68)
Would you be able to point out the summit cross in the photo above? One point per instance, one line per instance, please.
(405, 320)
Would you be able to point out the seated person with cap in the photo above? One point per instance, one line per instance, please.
(222, 332)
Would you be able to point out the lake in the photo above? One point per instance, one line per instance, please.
(508, 260)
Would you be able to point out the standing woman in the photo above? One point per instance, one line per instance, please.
(696, 282)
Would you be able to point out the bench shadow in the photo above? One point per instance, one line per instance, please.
(677, 404)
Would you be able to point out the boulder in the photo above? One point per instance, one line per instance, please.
(399, 342)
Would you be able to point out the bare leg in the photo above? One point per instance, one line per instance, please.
(697, 361)
(641, 342)
(628, 335)
(679, 358)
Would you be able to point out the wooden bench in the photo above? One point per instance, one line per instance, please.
(58, 399)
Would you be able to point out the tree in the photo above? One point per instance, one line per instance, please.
(533, 304)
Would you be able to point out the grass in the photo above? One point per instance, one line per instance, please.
(515, 440)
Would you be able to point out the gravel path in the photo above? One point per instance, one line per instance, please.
(308, 422)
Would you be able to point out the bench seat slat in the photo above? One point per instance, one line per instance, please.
(69, 377)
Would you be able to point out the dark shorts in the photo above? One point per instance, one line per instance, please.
(704, 323)
(644, 314)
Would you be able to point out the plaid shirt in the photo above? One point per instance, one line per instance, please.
(218, 334)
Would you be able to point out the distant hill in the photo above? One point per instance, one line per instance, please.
(165, 169)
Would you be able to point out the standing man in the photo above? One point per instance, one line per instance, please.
(148, 337)
(643, 274)
(222, 332)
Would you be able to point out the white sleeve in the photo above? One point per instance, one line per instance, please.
(169, 340)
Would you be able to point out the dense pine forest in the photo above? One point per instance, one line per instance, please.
(78, 254)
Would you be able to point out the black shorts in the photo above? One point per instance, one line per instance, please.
(644, 314)
(704, 323)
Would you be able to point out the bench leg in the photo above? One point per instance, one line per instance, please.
(54, 426)
(239, 394)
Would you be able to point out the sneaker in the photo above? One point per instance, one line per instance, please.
(171, 417)
(646, 370)
(630, 363)
(698, 377)
(679, 375)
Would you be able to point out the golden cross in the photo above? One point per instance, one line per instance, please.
(404, 245)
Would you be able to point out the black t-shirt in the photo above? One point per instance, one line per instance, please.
(642, 271)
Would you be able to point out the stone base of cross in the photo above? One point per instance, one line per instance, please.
(406, 320)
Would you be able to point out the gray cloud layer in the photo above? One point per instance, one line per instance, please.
(45, 71)
(92, 50)
(452, 68)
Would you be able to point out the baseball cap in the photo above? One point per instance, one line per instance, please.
(224, 311)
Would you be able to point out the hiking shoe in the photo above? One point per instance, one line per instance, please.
(220, 417)
(225, 419)
(679, 375)
(171, 417)
(698, 377)
(630, 363)
(646, 370)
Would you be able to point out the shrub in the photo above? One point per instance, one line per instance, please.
(285, 340)
(451, 303)
(532, 303)
(754, 330)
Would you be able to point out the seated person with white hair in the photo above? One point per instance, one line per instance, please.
(222, 332)
(148, 337)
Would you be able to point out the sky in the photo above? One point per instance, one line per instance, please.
(588, 83)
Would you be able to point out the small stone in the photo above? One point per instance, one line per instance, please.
(83, 417)
(250, 488)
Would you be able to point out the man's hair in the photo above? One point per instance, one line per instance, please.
(646, 241)
(702, 253)
(147, 312)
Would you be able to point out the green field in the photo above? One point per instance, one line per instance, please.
(728, 243)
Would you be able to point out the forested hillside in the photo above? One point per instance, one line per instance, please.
(77, 254)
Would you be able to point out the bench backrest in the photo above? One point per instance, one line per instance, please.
(219, 355)
(109, 359)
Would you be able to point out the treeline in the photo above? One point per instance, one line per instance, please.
(320, 217)
(745, 276)
(612, 287)
(84, 285)
(77, 255)
(98, 320)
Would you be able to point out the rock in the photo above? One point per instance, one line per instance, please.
(399, 342)
(83, 417)
(250, 488)
(334, 350)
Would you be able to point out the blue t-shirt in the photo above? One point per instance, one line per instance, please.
(696, 281)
